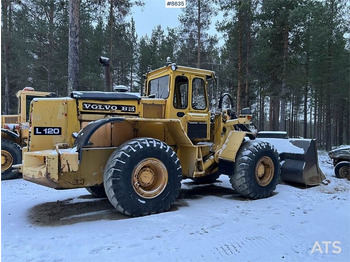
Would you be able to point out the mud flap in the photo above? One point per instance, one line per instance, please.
(299, 159)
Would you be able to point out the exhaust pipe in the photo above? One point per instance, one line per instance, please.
(105, 62)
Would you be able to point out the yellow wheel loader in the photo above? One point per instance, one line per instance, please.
(136, 149)
(15, 130)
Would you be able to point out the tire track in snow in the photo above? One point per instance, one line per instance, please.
(242, 246)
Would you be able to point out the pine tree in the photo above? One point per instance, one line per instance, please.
(73, 51)
(195, 22)
(237, 27)
(92, 45)
(274, 41)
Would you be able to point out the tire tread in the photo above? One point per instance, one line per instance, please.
(17, 158)
(243, 178)
(113, 179)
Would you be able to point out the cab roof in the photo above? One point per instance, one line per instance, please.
(183, 69)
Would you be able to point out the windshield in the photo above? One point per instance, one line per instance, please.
(159, 87)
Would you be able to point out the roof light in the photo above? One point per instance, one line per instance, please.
(28, 88)
(173, 66)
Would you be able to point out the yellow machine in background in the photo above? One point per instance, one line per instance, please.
(136, 149)
(15, 130)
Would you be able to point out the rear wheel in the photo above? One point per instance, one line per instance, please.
(11, 154)
(257, 170)
(142, 177)
(342, 170)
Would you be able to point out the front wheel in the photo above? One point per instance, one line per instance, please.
(142, 177)
(342, 170)
(11, 154)
(257, 170)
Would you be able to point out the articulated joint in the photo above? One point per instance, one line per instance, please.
(209, 162)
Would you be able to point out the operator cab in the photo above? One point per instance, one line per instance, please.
(183, 91)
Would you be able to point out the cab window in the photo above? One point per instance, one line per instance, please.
(181, 92)
(159, 87)
(28, 101)
(198, 94)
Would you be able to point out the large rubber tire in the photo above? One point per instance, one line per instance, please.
(97, 191)
(342, 170)
(142, 177)
(209, 179)
(11, 154)
(257, 170)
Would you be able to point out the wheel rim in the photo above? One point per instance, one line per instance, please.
(264, 171)
(6, 160)
(344, 171)
(149, 178)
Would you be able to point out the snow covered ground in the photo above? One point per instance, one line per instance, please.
(207, 223)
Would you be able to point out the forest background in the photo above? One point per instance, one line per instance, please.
(288, 60)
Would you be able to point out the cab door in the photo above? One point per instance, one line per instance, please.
(198, 117)
(190, 105)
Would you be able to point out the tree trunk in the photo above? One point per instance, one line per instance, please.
(247, 63)
(73, 51)
(282, 125)
(239, 80)
(306, 86)
(340, 127)
(199, 35)
(347, 128)
(274, 112)
(305, 112)
(329, 81)
(328, 121)
(296, 122)
(262, 110)
(51, 46)
(109, 82)
(292, 123)
(321, 118)
(6, 7)
(310, 123)
(315, 115)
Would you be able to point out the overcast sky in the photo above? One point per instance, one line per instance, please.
(152, 14)
(155, 13)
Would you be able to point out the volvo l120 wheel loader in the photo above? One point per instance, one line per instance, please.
(15, 130)
(136, 149)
